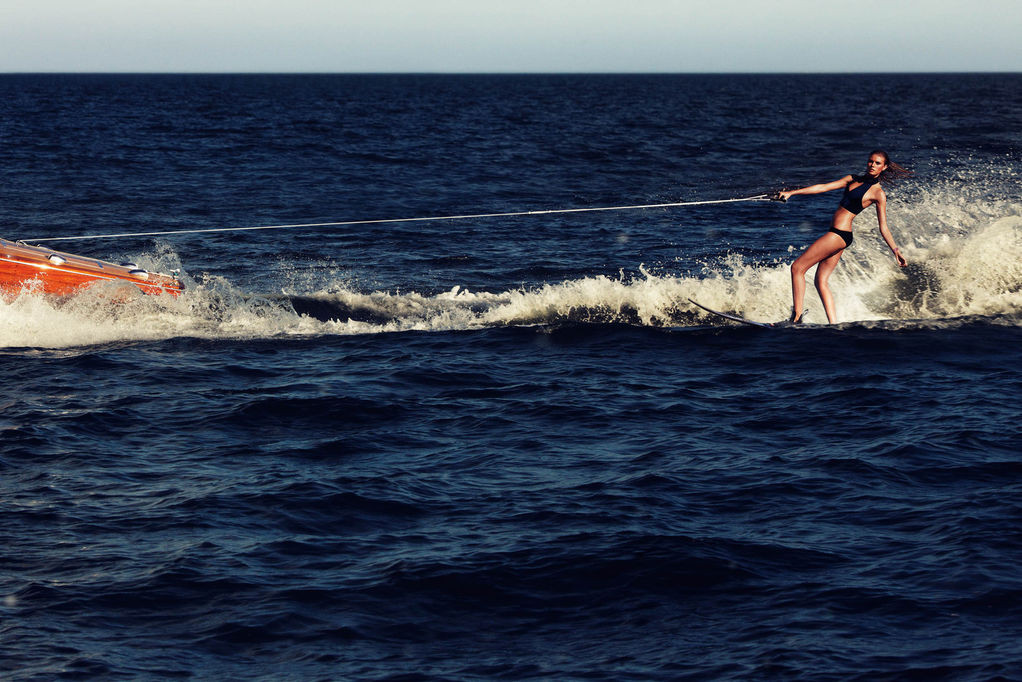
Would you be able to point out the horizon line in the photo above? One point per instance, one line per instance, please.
(499, 73)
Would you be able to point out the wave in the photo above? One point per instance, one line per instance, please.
(965, 262)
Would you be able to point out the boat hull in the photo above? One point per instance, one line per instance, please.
(65, 274)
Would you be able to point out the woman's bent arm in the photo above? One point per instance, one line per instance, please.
(885, 231)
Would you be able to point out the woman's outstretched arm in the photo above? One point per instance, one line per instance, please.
(816, 189)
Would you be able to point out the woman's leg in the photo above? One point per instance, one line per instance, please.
(822, 248)
(823, 271)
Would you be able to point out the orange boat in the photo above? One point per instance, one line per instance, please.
(64, 274)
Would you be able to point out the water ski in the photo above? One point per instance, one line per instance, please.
(736, 318)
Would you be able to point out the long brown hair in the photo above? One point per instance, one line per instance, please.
(894, 173)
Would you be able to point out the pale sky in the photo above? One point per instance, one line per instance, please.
(509, 36)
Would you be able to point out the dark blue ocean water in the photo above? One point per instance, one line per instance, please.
(509, 448)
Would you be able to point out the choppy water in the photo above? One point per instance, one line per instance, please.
(510, 448)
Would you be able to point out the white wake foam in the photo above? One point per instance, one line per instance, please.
(965, 260)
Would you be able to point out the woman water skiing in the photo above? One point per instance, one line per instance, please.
(860, 191)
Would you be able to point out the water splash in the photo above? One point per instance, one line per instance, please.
(965, 254)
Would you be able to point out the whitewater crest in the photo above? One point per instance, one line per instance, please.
(965, 262)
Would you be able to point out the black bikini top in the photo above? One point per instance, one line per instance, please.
(852, 199)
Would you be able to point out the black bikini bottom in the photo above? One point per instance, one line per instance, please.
(844, 234)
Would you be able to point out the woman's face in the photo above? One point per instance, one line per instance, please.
(876, 165)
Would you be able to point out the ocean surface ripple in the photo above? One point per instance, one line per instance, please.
(510, 449)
